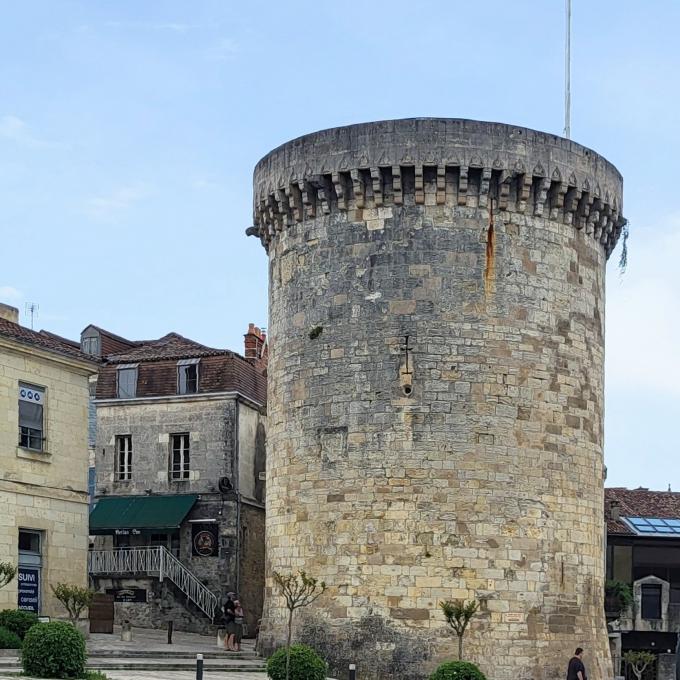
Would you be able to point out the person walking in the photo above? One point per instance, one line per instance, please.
(238, 623)
(229, 624)
(576, 669)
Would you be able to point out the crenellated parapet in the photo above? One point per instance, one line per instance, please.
(431, 162)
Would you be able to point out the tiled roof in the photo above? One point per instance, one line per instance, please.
(114, 336)
(42, 340)
(170, 346)
(639, 503)
(59, 338)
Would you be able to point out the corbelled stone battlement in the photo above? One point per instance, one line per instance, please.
(432, 161)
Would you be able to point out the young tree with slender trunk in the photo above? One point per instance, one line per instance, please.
(299, 590)
(74, 599)
(7, 573)
(458, 615)
(638, 661)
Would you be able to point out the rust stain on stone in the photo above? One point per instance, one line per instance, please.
(490, 254)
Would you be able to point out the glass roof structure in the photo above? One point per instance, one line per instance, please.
(654, 526)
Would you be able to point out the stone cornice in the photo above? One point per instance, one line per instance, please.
(438, 162)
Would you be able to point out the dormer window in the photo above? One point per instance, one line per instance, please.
(126, 380)
(90, 342)
(90, 346)
(187, 376)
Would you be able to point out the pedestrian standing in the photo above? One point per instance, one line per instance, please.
(229, 625)
(238, 623)
(577, 669)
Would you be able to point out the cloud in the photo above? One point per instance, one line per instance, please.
(10, 293)
(643, 324)
(224, 50)
(108, 207)
(170, 26)
(18, 131)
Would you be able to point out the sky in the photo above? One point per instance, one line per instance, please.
(129, 131)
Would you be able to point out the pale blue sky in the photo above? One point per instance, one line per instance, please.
(129, 131)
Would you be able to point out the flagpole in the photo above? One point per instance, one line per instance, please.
(567, 73)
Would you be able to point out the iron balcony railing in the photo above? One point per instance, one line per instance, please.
(156, 561)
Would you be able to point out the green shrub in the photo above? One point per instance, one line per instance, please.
(305, 664)
(17, 621)
(457, 670)
(9, 639)
(54, 650)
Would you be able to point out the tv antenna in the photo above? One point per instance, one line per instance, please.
(32, 308)
(567, 71)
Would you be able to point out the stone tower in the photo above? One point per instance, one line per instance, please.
(436, 392)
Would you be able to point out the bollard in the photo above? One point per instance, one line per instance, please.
(170, 625)
(199, 666)
(352, 672)
(126, 631)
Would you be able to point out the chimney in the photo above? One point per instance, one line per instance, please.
(9, 313)
(254, 341)
(615, 510)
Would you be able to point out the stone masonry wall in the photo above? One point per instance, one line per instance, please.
(213, 430)
(436, 392)
(45, 490)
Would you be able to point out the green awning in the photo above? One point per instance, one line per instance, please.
(137, 514)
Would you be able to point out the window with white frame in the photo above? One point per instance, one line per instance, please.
(179, 467)
(126, 381)
(124, 457)
(31, 416)
(187, 376)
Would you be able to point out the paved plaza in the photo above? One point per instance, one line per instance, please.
(148, 656)
(167, 675)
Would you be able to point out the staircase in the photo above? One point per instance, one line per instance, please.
(157, 561)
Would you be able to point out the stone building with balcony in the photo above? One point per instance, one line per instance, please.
(643, 563)
(178, 519)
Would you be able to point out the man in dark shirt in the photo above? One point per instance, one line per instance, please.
(576, 670)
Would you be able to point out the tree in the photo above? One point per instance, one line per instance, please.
(638, 661)
(74, 599)
(7, 573)
(458, 615)
(299, 590)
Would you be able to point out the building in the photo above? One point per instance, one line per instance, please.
(435, 406)
(180, 460)
(643, 553)
(43, 463)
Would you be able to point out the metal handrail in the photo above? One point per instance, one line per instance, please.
(157, 560)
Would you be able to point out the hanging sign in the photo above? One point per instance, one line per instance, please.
(204, 540)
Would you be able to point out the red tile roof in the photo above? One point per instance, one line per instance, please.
(170, 346)
(639, 503)
(42, 340)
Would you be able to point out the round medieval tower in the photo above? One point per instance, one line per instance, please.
(436, 392)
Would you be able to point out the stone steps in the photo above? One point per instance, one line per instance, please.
(150, 662)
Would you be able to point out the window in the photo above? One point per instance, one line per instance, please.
(169, 541)
(127, 381)
(29, 541)
(651, 601)
(30, 564)
(90, 345)
(187, 376)
(124, 457)
(31, 416)
(180, 456)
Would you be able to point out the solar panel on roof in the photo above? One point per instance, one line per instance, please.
(654, 526)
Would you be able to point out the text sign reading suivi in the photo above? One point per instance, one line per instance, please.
(29, 589)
